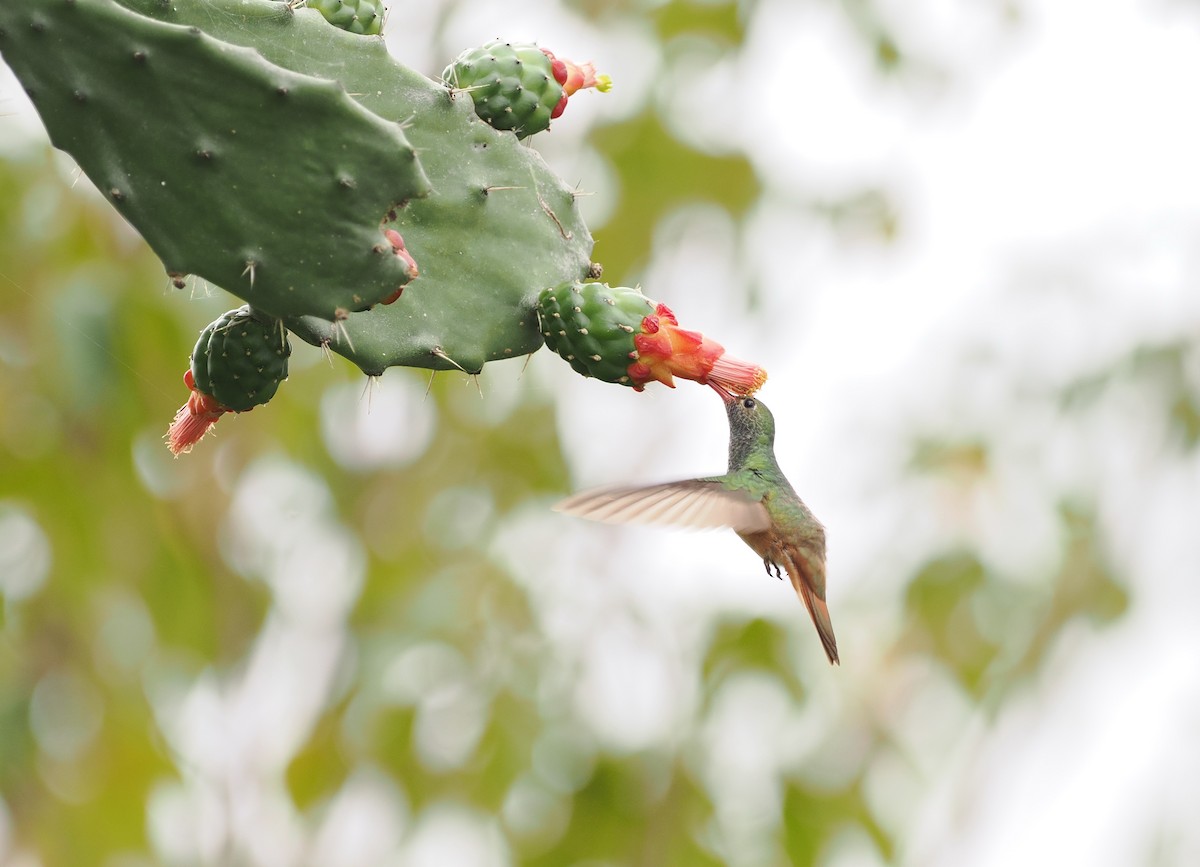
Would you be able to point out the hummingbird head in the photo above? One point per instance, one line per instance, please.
(751, 424)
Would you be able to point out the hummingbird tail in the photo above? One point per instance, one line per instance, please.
(817, 609)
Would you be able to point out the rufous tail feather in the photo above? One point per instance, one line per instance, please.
(817, 609)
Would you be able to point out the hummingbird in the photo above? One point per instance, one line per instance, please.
(754, 498)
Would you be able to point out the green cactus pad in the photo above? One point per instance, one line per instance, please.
(241, 358)
(498, 226)
(364, 17)
(592, 326)
(269, 183)
(511, 84)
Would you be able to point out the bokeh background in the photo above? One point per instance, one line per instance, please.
(348, 630)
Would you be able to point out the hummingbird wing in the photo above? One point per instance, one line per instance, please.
(697, 503)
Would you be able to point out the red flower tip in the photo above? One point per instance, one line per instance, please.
(194, 418)
(664, 351)
(574, 77)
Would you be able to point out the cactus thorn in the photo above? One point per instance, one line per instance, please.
(368, 391)
(250, 268)
(550, 211)
(340, 315)
(200, 289)
(429, 387)
(441, 353)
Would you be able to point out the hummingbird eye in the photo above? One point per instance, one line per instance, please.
(748, 403)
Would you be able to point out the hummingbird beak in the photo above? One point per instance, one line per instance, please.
(726, 395)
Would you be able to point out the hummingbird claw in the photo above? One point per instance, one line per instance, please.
(772, 569)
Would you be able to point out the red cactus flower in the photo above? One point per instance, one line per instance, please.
(574, 77)
(194, 418)
(664, 351)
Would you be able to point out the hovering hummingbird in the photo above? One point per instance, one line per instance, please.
(753, 498)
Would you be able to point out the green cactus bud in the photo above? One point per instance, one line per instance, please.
(241, 358)
(592, 326)
(617, 334)
(237, 364)
(511, 84)
(356, 16)
(519, 86)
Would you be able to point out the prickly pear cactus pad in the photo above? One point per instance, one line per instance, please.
(269, 183)
(619, 335)
(497, 227)
(518, 86)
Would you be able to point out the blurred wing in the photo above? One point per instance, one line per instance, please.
(699, 503)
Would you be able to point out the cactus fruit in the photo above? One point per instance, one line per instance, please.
(618, 335)
(237, 364)
(364, 17)
(518, 86)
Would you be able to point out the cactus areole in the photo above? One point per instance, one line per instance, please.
(619, 335)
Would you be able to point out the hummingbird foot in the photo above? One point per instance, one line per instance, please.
(772, 566)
